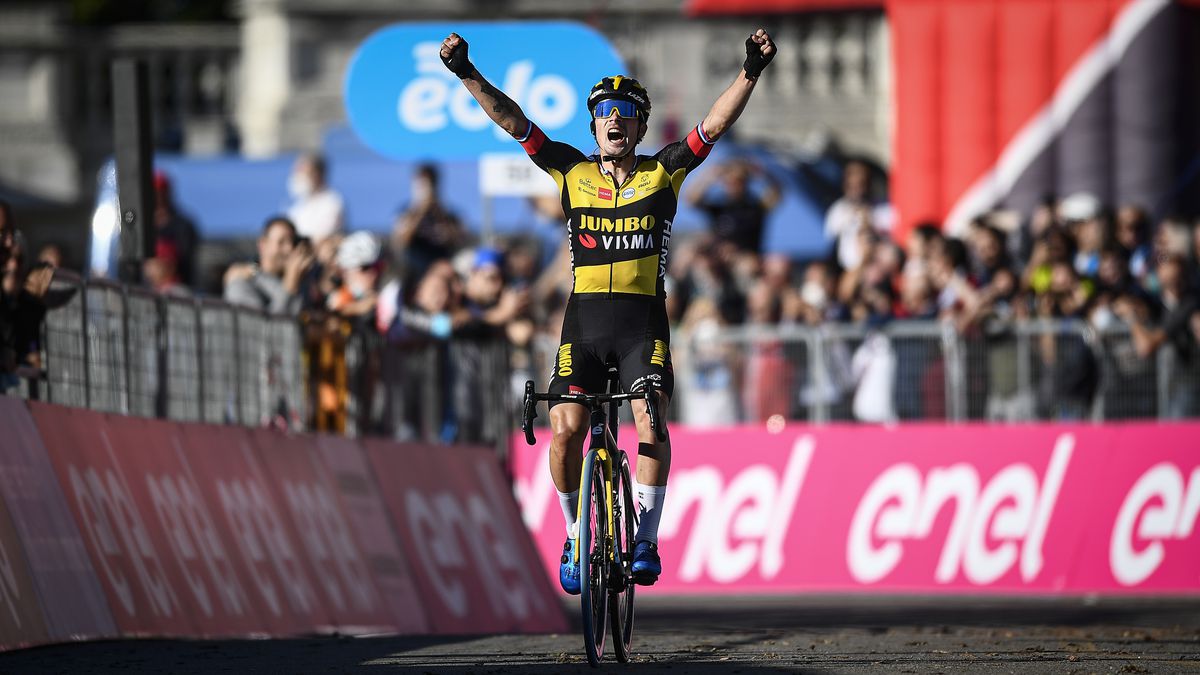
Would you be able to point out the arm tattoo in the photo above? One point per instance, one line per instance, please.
(501, 104)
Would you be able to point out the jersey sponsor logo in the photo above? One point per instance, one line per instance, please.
(627, 242)
(587, 240)
(576, 389)
(605, 194)
(628, 193)
(659, 356)
(564, 360)
(616, 225)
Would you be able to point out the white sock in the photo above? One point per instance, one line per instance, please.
(650, 503)
(569, 501)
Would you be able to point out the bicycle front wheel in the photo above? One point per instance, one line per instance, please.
(593, 558)
(621, 586)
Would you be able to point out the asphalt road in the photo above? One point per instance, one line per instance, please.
(725, 635)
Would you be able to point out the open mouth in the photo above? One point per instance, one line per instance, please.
(615, 135)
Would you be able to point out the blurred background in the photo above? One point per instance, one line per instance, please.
(930, 210)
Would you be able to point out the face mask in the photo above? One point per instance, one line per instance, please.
(299, 186)
(420, 191)
(1103, 318)
(813, 294)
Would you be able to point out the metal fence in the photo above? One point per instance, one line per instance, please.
(910, 371)
(118, 349)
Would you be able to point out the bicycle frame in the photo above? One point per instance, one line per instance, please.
(603, 444)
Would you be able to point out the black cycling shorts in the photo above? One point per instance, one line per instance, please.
(630, 332)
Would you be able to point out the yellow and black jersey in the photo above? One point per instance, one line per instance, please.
(619, 234)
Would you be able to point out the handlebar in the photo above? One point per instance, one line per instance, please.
(529, 412)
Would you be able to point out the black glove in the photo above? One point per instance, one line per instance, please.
(457, 62)
(755, 61)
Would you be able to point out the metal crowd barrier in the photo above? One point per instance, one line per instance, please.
(118, 349)
(125, 350)
(921, 370)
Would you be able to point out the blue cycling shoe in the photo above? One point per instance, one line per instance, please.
(646, 564)
(568, 568)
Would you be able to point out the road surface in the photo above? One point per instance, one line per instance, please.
(808, 634)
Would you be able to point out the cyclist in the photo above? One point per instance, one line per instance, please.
(619, 206)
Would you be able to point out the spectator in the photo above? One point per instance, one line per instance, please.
(318, 211)
(706, 381)
(273, 284)
(426, 231)
(52, 255)
(768, 372)
(22, 308)
(850, 214)
(175, 227)
(1132, 234)
(1179, 305)
(737, 217)
(161, 272)
(358, 263)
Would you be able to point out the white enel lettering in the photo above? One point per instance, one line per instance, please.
(237, 512)
(899, 505)
(738, 526)
(1174, 517)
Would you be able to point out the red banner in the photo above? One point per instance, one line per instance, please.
(126, 547)
(471, 557)
(302, 488)
(21, 621)
(269, 555)
(113, 525)
(346, 463)
(73, 602)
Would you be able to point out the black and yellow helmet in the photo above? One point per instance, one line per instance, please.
(623, 88)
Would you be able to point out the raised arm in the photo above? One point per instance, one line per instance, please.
(494, 102)
(730, 104)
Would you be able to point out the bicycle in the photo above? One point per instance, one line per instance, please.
(607, 517)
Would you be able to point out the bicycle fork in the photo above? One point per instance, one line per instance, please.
(599, 439)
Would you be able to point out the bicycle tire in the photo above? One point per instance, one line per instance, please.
(593, 554)
(621, 588)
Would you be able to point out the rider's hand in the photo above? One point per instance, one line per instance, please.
(759, 52)
(454, 55)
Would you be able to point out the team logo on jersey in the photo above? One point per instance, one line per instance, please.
(626, 242)
(605, 194)
(628, 193)
(587, 240)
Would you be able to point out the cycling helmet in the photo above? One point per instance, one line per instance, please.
(620, 87)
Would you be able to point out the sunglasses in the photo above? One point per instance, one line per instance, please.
(604, 109)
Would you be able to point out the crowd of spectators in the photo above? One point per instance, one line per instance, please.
(432, 279)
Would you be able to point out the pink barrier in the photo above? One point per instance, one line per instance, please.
(302, 487)
(113, 525)
(70, 594)
(347, 465)
(474, 564)
(962, 509)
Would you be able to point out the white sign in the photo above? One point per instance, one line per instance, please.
(512, 175)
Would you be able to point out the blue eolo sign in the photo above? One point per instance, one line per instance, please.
(403, 103)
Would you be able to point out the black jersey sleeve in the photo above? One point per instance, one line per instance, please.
(551, 156)
(687, 153)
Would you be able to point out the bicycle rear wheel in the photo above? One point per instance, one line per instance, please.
(593, 557)
(622, 588)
